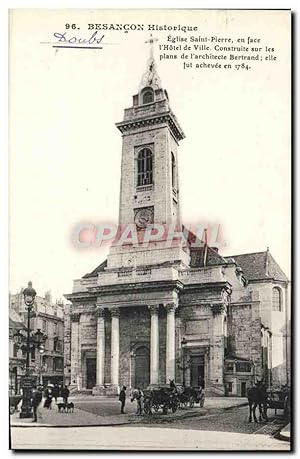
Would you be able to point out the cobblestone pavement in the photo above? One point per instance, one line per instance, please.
(106, 406)
(219, 429)
(106, 411)
(231, 420)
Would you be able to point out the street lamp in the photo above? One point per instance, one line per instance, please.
(41, 367)
(181, 364)
(19, 338)
(131, 360)
(29, 295)
(39, 339)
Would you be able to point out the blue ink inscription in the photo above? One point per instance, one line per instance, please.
(65, 41)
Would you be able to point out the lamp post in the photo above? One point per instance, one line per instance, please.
(41, 367)
(32, 340)
(181, 363)
(131, 360)
(26, 412)
(39, 339)
(253, 371)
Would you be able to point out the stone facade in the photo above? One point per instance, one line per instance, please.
(49, 318)
(154, 313)
(17, 358)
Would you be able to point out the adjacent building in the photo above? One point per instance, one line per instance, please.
(17, 358)
(49, 318)
(157, 312)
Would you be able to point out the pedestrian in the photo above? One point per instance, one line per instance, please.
(36, 402)
(46, 394)
(140, 402)
(48, 397)
(65, 394)
(122, 398)
(55, 391)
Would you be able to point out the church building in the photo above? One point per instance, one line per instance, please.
(157, 312)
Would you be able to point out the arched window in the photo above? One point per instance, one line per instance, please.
(144, 170)
(173, 171)
(276, 299)
(148, 96)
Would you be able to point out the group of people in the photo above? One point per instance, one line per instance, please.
(53, 392)
(138, 395)
(49, 392)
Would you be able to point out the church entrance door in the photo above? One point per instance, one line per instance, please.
(142, 367)
(90, 373)
(197, 371)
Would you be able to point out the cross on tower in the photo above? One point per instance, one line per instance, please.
(151, 42)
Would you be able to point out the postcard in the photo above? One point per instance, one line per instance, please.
(150, 229)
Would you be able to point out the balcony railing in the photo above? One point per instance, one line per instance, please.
(202, 275)
(144, 187)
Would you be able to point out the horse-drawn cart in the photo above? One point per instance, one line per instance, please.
(163, 398)
(189, 396)
(279, 400)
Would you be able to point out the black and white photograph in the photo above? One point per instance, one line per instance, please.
(150, 229)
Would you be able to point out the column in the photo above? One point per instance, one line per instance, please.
(170, 349)
(115, 314)
(100, 346)
(217, 349)
(80, 356)
(74, 348)
(154, 346)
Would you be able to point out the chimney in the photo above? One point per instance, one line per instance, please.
(48, 297)
(267, 262)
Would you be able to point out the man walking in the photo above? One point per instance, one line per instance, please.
(55, 392)
(35, 402)
(122, 398)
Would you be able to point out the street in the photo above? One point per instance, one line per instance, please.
(234, 433)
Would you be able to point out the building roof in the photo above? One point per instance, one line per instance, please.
(95, 272)
(213, 258)
(259, 266)
(197, 253)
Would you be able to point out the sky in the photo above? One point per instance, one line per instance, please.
(65, 151)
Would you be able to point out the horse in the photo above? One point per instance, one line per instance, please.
(257, 396)
(172, 384)
(134, 394)
(138, 395)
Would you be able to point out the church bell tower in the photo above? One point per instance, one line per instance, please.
(149, 189)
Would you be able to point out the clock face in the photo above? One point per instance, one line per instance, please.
(143, 217)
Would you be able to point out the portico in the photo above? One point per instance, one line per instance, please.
(141, 348)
